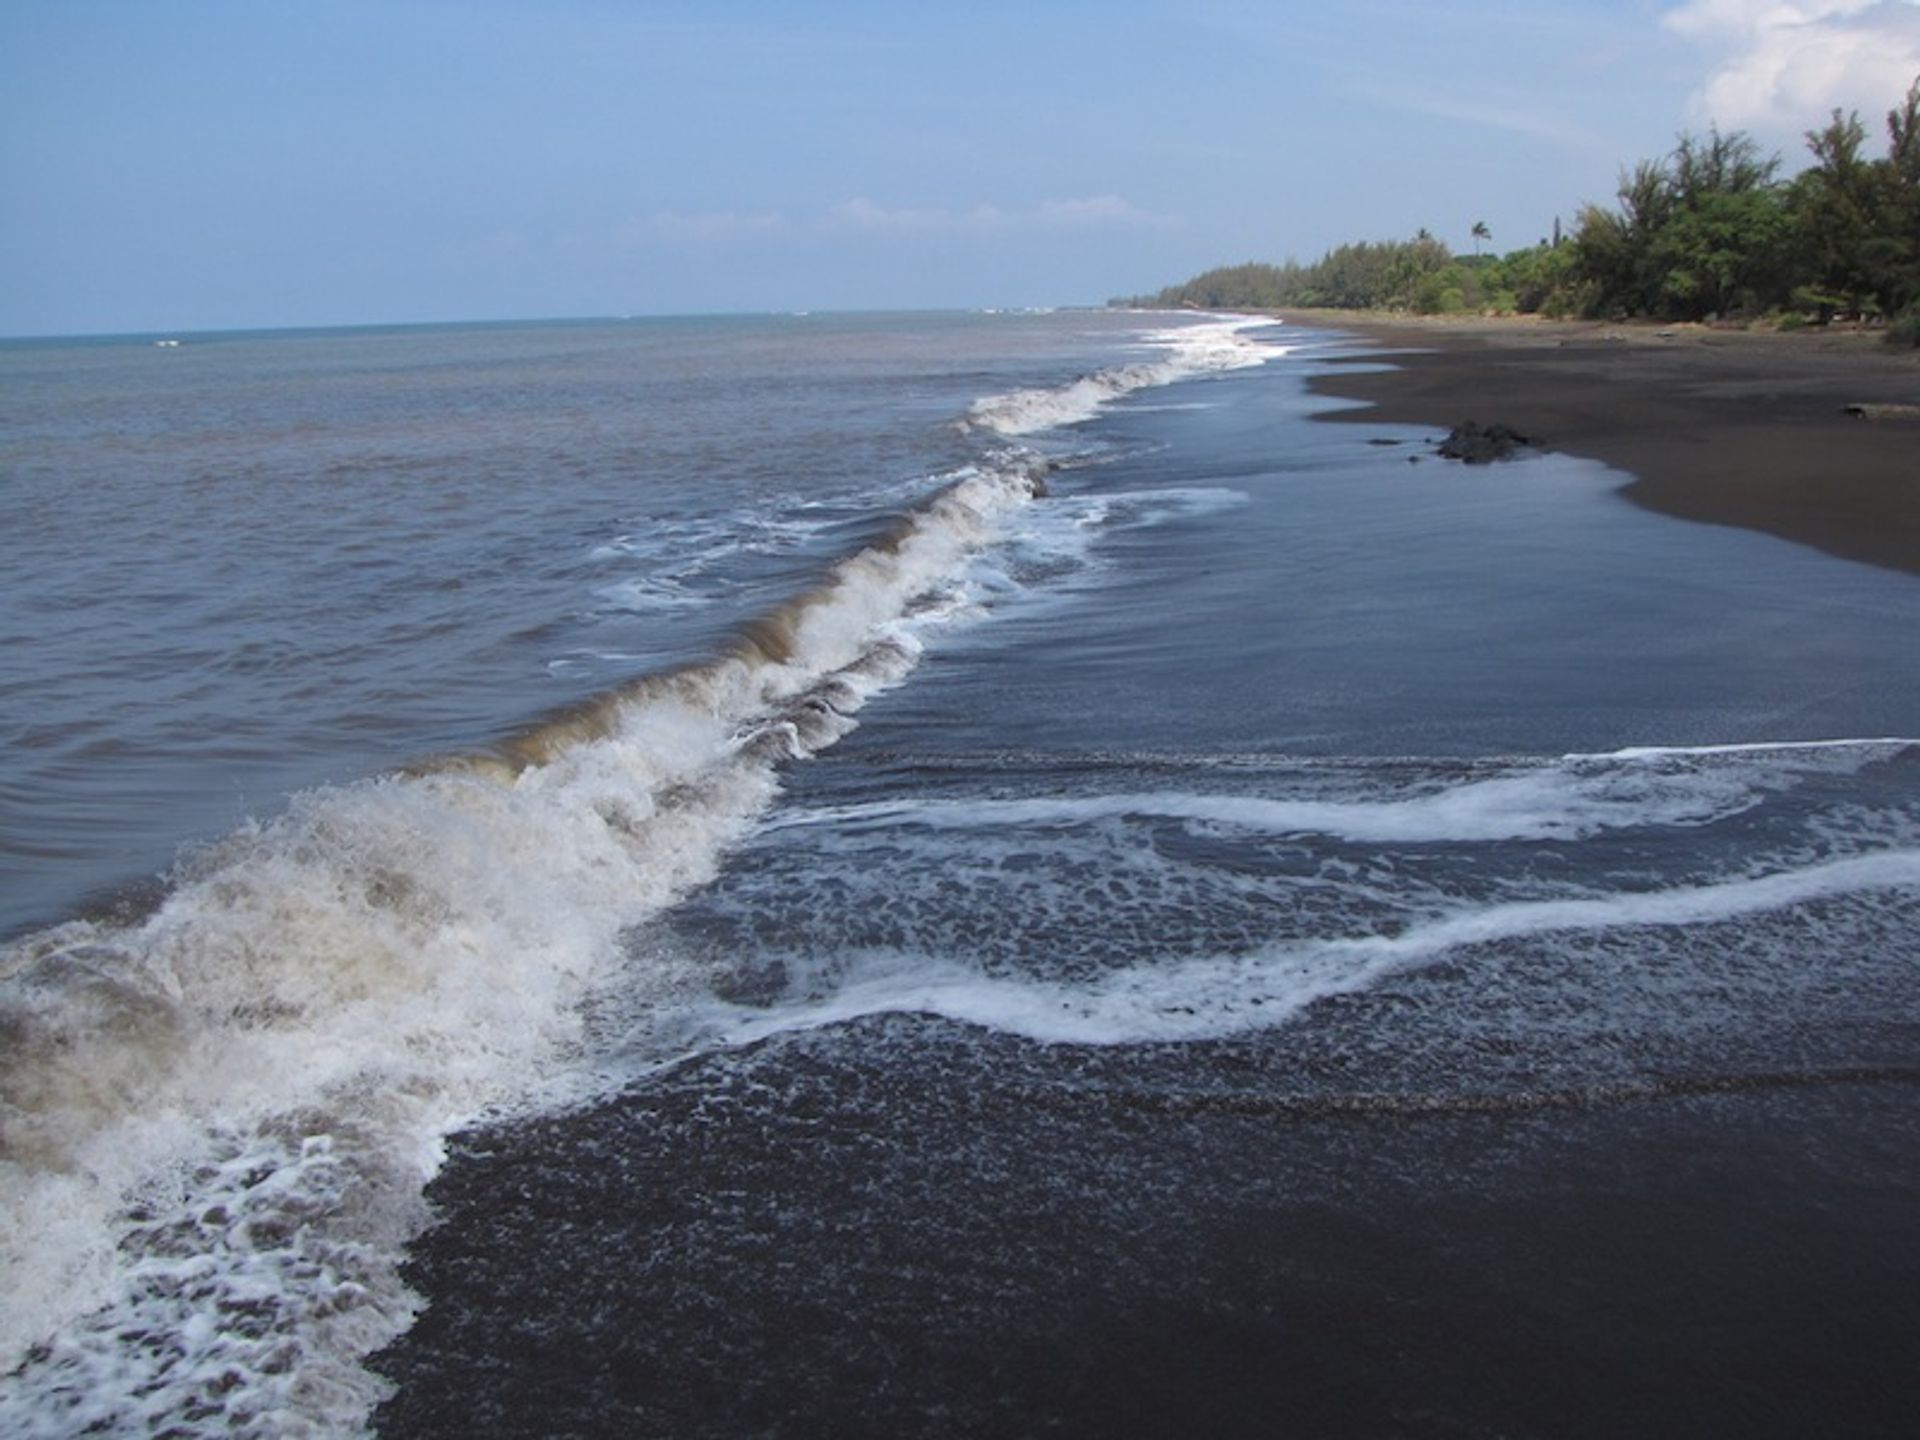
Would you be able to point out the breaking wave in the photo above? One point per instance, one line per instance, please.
(1188, 351)
(217, 1121)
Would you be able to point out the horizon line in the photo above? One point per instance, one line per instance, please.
(631, 317)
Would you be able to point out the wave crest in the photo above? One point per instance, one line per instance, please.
(1217, 345)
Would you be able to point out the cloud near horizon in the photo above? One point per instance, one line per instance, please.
(699, 227)
(1781, 66)
(862, 216)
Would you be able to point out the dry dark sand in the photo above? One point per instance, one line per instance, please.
(1727, 427)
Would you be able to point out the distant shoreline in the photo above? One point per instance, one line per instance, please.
(1724, 427)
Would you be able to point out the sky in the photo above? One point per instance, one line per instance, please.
(212, 164)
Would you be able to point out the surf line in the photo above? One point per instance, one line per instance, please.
(1222, 995)
(842, 637)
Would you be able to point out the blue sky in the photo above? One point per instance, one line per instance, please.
(195, 164)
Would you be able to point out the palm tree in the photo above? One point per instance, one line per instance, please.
(1480, 232)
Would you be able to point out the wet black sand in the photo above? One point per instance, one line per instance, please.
(1348, 1227)
(1726, 427)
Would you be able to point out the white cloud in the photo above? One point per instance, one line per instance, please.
(866, 217)
(1103, 210)
(1097, 210)
(1779, 66)
(863, 214)
(700, 226)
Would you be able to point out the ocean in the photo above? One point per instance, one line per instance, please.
(935, 874)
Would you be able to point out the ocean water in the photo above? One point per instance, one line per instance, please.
(964, 874)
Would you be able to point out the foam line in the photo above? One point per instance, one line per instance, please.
(1575, 797)
(1889, 744)
(1219, 996)
(1217, 345)
(1527, 806)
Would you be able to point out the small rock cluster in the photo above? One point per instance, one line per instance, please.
(1479, 444)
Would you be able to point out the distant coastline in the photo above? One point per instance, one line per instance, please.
(1722, 426)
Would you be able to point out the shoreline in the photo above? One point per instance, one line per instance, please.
(1722, 427)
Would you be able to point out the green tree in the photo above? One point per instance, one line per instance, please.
(1834, 204)
(1718, 165)
(1605, 262)
(1700, 234)
(1897, 251)
(1529, 281)
(1725, 252)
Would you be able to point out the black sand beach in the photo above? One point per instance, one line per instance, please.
(1726, 427)
(1657, 1180)
(1097, 1260)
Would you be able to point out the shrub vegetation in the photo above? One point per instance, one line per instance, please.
(1709, 232)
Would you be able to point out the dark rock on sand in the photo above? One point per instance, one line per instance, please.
(1479, 444)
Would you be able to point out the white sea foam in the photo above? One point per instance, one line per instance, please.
(219, 1121)
(681, 564)
(1218, 996)
(1189, 350)
(1872, 748)
(1047, 554)
(1569, 799)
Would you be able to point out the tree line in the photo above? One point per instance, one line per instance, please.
(1710, 231)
